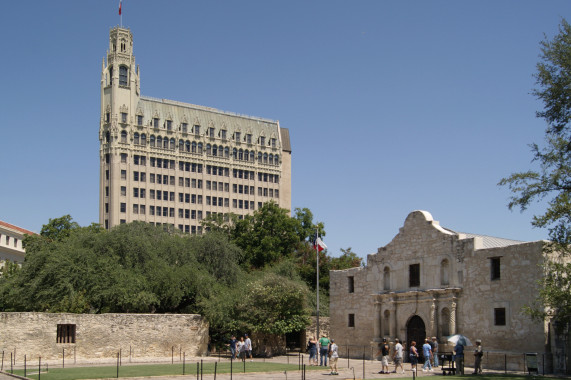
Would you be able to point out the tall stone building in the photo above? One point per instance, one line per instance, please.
(432, 281)
(171, 163)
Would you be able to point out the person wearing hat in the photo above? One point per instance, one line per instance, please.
(478, 353)
(434, 346)
(323, 350)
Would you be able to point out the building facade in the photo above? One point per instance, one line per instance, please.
(431, 281)
(11, 239)
(171, 163)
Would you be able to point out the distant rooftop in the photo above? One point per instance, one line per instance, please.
(491, 241)
(16, 228)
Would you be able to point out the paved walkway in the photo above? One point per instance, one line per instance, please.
(352, 369)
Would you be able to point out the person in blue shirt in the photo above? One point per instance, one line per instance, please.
(232, 344)
(427, 353)
(459, 358)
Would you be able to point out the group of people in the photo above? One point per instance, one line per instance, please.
(327, 349)
(240, 348)
(429, 352)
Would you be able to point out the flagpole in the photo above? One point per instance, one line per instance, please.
(317, 285)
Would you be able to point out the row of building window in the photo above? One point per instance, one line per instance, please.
(499, 320)
(9, 239)
(196, 130)
(187, 213)
(197, 168)
(414, 274)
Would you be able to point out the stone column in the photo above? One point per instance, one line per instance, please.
(453, 316)
(433, 321)
(377, 318)
(394, 327)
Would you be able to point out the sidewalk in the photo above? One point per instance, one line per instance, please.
(348, 369)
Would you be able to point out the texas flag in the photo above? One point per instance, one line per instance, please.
(319, 245)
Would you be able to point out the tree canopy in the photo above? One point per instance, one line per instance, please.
(551, 182)
(248, 275)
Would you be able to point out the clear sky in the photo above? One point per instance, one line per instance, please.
(392, 106)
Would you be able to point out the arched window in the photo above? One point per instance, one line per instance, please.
(107, 137)
(271, 159)
(123, 75)
(187, 146)
(199, 148)
(246, 155)
(166, 143)
(252, 156)
(215, 150)
(227, 152)
(172, 144)
(136, 138)
(159, 142)
(445, 322)
(181, 145)
(259, 158)
(194, 147)
(208, 149)
(110, 74)
(387, 278)
(220, 150)
(240, 154)
(143, 139)
(123, 136)
(235, 153)
(444, 272)
(277, 159)
(265, 158)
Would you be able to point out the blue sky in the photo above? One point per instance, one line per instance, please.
(392, 106)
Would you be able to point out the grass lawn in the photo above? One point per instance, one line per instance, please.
(156, 370)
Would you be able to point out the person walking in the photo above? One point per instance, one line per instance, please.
(323, 350)
(241, 347)
(397, 358)
(434, 351)
(427, 353)
(478, 353)
(248, 348)
(413, 355)
(232, 345)
(333, 357)
(384, 351)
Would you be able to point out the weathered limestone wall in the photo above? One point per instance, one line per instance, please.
(101, 336)
(455, 294)
(516, 287)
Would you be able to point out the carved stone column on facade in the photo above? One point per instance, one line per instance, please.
(394, 327)
(452, 322)
(377, 318)
(432, 328)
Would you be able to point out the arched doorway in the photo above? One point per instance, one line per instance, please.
(415, 330)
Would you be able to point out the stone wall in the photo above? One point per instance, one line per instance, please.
(102, 336)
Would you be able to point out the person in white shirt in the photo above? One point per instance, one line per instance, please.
(397, 358)
(248, 348)
(333, 356)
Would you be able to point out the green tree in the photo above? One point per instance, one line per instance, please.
(348, 259)
(267, 236)
(552, 180)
